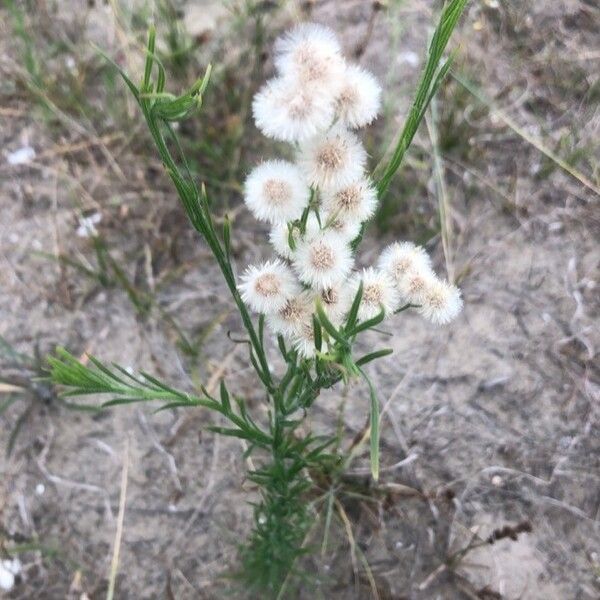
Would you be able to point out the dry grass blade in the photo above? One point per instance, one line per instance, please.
(355, 552)
(348, 528)
(507, 120)
(114, 566)
(442, 191)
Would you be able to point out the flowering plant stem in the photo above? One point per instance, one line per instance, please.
(282, 515)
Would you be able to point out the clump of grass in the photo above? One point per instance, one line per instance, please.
(24, 384)
(312, 306)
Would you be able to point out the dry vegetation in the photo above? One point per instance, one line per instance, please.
(491, 454)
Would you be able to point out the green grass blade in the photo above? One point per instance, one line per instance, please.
(428, 85)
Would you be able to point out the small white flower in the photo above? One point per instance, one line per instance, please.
(275, 191)
(400, 258)
(289, 319)
(378, 292)
(359, 99)
(356, 201)
(440, 302)
(310, 54)
(280, 235)
(324, 260)
(268, 287)
(288, 112)
(87, 225)
(333, 159)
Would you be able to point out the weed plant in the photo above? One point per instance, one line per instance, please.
(310, 301)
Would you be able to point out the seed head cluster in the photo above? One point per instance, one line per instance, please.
(317, 204)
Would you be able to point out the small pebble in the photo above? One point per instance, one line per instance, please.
(22, 156)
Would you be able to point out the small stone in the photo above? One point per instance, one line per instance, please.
(22, 156)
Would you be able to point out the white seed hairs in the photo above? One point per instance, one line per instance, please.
(275, 192)
(268, 287)
(323, 261)
(317, 205)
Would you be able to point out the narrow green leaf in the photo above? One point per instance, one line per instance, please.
(374, 426)
(282, 348)
(367, 358)
(318, 335)
(353, 314)
(261, 330)
(428, 84)
(177, 405)
(108, 372)
(368, 324)
(291, 240)
(225, 403)
(228, 431)
(227, 235)
(132, 87)
(159, 386)
(126, 400)
(304, 217)
(405, 307)
(329, 326)
(149, 57)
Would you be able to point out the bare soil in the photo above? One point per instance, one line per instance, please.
(493, 420)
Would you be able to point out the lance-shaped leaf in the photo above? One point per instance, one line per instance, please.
(353, 314)
(367, 358)
(329, 327)
(374, 426)
(368, 324)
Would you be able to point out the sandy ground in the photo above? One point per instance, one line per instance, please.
(495, 418)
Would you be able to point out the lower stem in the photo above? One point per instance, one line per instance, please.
(281, 521)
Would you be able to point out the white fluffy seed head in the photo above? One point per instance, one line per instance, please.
(440, 302)
(345, 227)
(414, 284)
(378, 292)
(275, 192)
(303, 340)
(323, 261)
(333, 159)
(310, 54)
(288, 320)
(336, 302)
(400, 258)
(290, 113)
(356, 201)
(267, 287)
(359, 98)
(280, 236)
